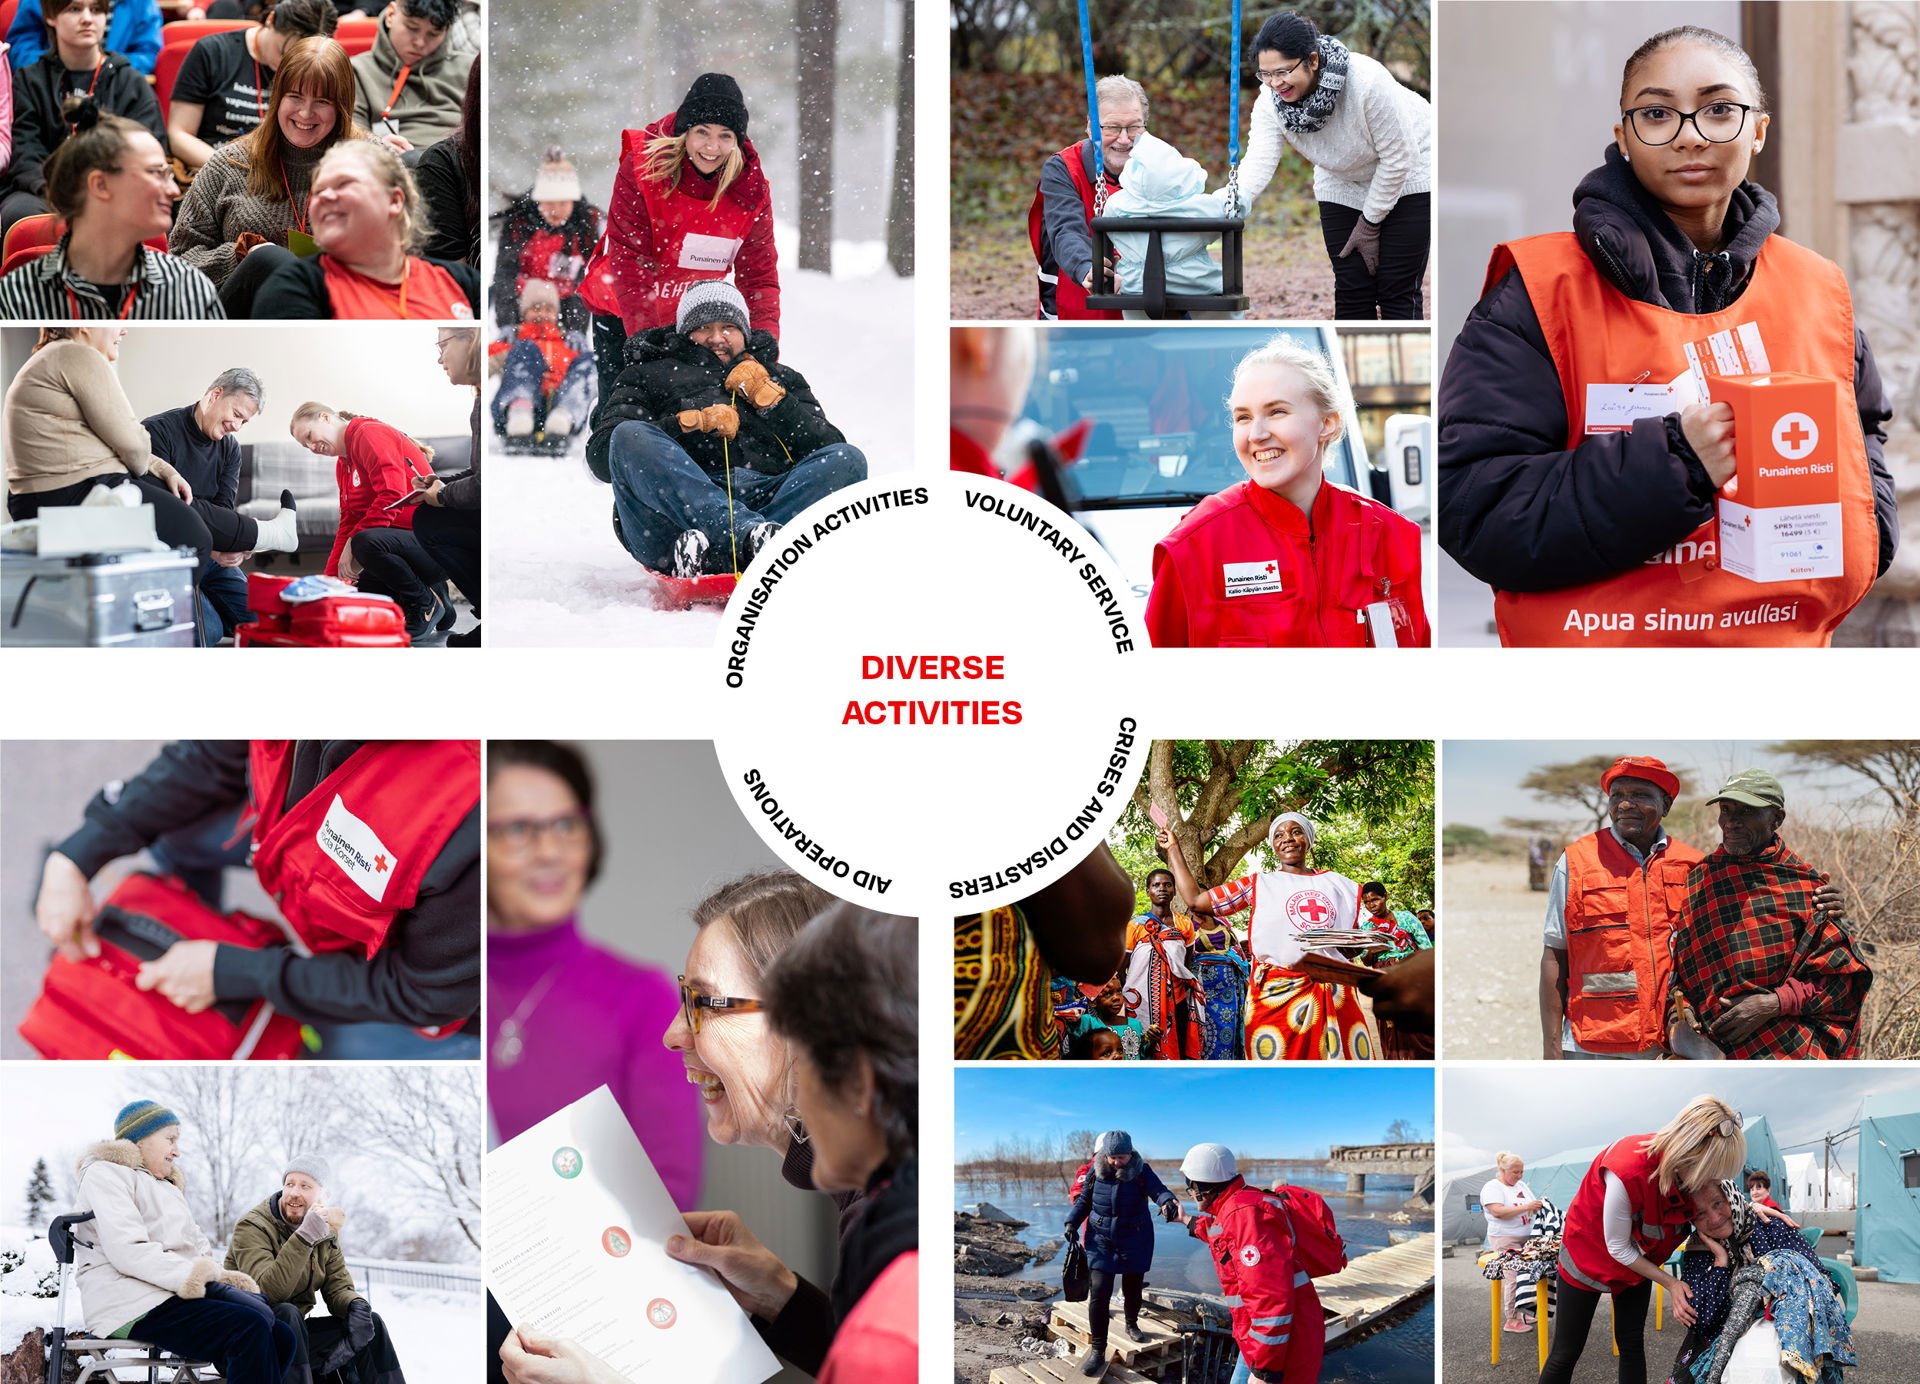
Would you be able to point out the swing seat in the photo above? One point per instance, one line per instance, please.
(684, 593)
(1153, 299)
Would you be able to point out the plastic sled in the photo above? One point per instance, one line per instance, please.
(539, 444)
(684, 593)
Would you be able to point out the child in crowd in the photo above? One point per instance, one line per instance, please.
(1107, 1033)
(546, 373)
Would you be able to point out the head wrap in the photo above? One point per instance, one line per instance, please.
(1299, 817)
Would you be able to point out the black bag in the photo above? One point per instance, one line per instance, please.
(1074, 1274)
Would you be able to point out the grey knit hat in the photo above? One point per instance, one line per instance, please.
(313, 1165)
(711, 300)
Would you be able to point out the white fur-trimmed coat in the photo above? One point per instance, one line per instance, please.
(142, 1245)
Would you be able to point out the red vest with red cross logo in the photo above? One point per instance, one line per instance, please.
(347, 858)
(1660, 1220)
(1069, 298)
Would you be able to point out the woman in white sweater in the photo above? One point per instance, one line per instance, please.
(1370, 142)
(146, 1273)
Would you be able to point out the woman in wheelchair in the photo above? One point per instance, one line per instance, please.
(145, 1272)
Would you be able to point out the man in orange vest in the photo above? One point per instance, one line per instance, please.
(1060, 220)
(1614, 900)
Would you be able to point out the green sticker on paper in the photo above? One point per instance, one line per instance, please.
(302, 244)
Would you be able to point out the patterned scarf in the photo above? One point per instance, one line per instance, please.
(1748, 928)
(1304, 117)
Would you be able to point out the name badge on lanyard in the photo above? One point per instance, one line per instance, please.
(1615, 407)
(1250, 578)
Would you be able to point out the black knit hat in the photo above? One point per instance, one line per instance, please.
(713, 99)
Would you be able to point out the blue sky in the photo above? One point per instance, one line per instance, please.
(1479, 778)
(1257, 1111)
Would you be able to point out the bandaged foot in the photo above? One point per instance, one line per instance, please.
(280, 534)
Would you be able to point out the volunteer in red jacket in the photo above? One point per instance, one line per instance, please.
(689, 203)
(1573, 480)
(1060, 218)
(1628, 1216)
(1276, 1318)
(372, 849)
(374, 546)
(1287, 558)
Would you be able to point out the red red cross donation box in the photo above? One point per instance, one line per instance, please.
(1782, 522)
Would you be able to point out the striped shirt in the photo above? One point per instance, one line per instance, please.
(164, 289)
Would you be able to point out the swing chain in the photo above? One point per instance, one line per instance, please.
(1233, 191)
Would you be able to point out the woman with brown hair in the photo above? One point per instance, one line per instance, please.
(111, 182)
(689, 203)
(367, 220)
(221, 92)
(253, 193)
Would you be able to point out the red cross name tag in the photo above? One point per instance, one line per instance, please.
(1251, 578)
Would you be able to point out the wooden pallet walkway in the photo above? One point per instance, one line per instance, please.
(1375, 1284)
(1044, 1370)
(1069, 1322)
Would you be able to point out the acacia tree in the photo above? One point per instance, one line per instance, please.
(1577, 783)
(1891, 766)
(816, 26)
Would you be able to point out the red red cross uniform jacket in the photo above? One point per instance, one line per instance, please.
(661, 240)
(1277, 1324)
(1660, 1221)
(376, 467)
(348, 858)
(1247, 569)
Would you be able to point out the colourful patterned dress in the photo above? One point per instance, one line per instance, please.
(1002, 989)
(1291, 1016)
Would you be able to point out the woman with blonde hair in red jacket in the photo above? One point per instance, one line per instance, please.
(690, 202)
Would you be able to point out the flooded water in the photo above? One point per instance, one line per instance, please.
(1401, 1354)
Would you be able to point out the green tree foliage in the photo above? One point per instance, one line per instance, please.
(1371, 802)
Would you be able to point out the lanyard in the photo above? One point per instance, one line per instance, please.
(75, 129)
(299, 221)
(398, 83)
(406, 273)
(126, 305)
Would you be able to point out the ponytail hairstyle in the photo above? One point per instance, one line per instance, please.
(1323, 386)
(385, 165)
(1705, 38)
(319, 67)
(294, 20)
(666, 156)
(49, 335)
(313, 409)
(97, 144)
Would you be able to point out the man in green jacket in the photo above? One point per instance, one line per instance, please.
(290, 1245)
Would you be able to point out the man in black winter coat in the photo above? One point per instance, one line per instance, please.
(710, 443)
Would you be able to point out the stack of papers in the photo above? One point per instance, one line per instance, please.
(1343, 937)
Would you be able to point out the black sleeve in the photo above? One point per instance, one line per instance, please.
(1875, 409)
(198, 83)
(229, 472)
(803, 1332)
(444, 191)
(30, 140)
(1518, 508)
(467, 277)
(427, 973)
(1066, 220)
(506, 273)
(188, 780)
(136, 101)
(297, 290)
(798, 419)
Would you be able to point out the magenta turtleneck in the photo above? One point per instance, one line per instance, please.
(599, 1022)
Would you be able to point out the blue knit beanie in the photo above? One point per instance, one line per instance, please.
(141, 1118)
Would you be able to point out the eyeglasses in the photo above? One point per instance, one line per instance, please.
(1273, 76)
(517, 835)
(1718, 123)
(1133, 131)
(692, 1002)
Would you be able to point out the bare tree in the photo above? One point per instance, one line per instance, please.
(223, 1127)
(1403, 1132)
(816, 27)
(900, 203)
(426, 1126)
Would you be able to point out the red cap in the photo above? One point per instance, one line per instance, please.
(1642, 767)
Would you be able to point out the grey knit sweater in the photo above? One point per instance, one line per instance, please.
(218, 208)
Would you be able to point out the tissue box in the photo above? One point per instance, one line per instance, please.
(67, 530)
(1782, 522)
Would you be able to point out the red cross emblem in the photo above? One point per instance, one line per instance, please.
(1314, 909)
(1310, 907)
(380, 864)
(1795, 435)
(1271, 569)
(1249, 1255)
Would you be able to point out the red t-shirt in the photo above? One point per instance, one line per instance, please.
(426, 293)
(376, 467)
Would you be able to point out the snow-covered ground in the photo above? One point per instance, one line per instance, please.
(556, 576)
(439, 1336)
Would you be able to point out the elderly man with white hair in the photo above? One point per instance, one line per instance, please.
(290, 1245)
(1060, 221)
(1303, 1000)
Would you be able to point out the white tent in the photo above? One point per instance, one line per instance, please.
(1814, 1188)
(1461, 1220)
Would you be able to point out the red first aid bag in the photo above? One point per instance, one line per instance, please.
(355, 622)
(93, 1009)
(1317, 1246)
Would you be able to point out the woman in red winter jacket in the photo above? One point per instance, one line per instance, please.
(374, 546)
(689, 203)
(1287, 557)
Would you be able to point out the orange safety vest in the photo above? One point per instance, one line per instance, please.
(1660, 1222)
(348, 858)
(1620, 918)
(1599, 336)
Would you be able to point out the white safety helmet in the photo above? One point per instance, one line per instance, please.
(1209, 1163)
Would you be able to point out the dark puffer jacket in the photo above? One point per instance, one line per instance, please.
(1118, 1217)
(1522, 512)
(39, 127)
(667, 372)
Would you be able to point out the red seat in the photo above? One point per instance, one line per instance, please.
(27, 254)
(7, 7)
(357, 35)
(28, 232)
(177, 38)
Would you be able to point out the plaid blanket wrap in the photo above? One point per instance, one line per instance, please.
(1749, 925)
